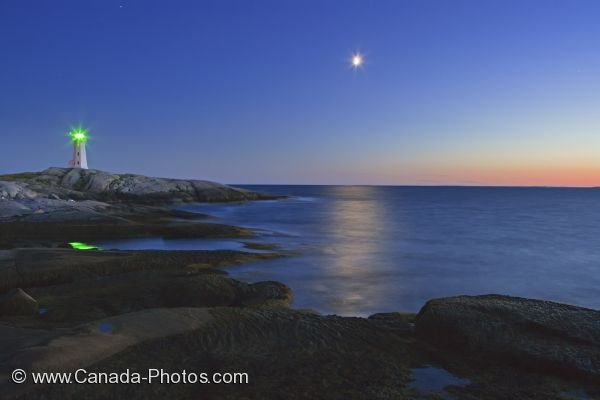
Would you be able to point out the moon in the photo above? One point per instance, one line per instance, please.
(357, 60)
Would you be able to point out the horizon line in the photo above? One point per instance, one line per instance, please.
(418, 185)
(446, 185)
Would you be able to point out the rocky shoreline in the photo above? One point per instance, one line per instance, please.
(82, 184)
(63, 309)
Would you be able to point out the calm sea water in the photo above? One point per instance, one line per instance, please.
(366, 249)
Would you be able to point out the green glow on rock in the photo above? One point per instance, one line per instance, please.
(82, 246)
(79, 135)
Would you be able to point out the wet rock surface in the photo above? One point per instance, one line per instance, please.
(91, 305)
(113, 311)
(540, 334)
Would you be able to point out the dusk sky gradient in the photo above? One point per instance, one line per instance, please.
(452, 92)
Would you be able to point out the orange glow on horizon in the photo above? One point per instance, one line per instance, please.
(565, 176)
(473, 174)
(573, 177)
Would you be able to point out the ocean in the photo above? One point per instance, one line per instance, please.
(367, 249)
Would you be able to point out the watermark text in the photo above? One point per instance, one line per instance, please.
(150, 376)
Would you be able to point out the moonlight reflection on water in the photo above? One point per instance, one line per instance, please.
(367, 249)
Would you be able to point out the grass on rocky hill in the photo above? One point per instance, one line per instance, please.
(20, 177)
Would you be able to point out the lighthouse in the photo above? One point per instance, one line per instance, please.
(78, 137)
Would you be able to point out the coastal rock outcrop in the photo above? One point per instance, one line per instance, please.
(115, 311)
(15, 190)
(541, 334)
(76, 194)
(80, 184)
(275, 293)
(83, 345)
(17, 302)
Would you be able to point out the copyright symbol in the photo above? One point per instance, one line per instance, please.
(19, 376)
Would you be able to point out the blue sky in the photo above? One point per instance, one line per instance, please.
(452, 92)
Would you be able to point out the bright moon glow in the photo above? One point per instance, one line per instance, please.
(357, 60)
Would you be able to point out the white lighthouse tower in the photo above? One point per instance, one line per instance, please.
(79, 137)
